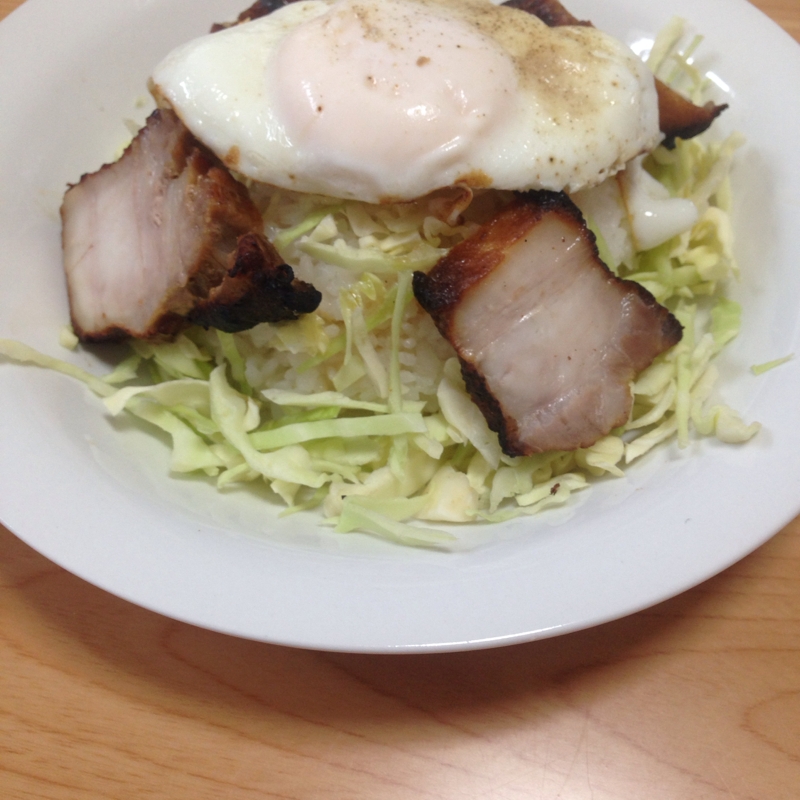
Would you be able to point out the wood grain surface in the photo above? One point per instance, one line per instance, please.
(695, 699)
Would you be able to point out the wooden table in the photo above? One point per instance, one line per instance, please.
(696, 699)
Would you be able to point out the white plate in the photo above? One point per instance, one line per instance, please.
(93, 494)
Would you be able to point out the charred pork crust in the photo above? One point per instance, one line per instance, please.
(259, 9)
(154, 235)
(542, 389)
(258, 287)
(679, 118)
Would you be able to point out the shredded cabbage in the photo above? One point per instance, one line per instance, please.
(760, 369)
(360, 410)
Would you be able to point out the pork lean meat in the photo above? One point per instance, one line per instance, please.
(548, 338)
(154, 241)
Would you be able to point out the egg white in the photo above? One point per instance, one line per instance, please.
(389, 100)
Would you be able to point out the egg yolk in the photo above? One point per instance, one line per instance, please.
(424, 88)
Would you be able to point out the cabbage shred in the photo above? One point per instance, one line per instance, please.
(359, 409)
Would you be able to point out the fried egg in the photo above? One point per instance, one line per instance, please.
(389, 100)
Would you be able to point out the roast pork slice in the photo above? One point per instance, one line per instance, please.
(679, 118)
(165, 236)
(548, 338)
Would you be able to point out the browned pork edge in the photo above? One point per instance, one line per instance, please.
(441, 291)
(679, 118)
